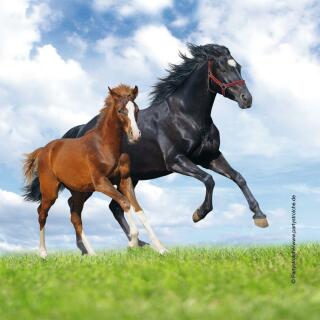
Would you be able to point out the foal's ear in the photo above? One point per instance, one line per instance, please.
(135, 92)
(113, 93)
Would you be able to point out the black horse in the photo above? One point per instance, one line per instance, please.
(178, 133)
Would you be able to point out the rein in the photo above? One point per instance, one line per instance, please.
(223, 85)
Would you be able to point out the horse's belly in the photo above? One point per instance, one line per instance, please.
(147, 161)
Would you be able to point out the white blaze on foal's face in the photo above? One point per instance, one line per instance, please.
(132, 120)
(232, 63)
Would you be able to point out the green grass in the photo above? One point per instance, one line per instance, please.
(188, 283)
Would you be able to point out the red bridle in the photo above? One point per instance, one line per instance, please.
(223, 86)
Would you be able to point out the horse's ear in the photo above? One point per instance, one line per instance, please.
(113, 93)
(135, 92)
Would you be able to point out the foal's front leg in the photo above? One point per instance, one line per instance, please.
(103, 184)
(127, 189)
(221, 166)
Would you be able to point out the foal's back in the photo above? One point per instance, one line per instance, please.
(71, 161)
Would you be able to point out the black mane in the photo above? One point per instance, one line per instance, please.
(178, 73)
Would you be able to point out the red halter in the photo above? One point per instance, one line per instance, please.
(223, 86)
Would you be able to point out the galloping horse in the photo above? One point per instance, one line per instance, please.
(178, 133)
(93, 162)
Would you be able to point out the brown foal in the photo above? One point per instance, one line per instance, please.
(92, 163)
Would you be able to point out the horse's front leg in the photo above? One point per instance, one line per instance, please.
(221, 166)
(119, 216)
(127, 189)
(185, 166)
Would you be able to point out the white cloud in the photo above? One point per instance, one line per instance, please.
(40, 91)
(127, 8)
(144, 48)
(180, 22)
(78, 43)
(158, 44)
(18, 32)
(304, 189)
(7, 247)
(140, 58)
(235, 211)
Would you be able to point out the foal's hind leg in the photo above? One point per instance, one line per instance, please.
(76, 202)
(49, 194)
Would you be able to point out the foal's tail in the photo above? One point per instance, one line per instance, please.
(30, 164)
(32, 187)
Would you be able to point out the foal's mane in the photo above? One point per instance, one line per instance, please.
(122, 90)
(179, 73)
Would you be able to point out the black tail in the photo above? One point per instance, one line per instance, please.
(32, 191)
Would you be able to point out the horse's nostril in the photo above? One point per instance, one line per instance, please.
(243, 97)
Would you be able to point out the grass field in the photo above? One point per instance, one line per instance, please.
(187, 283)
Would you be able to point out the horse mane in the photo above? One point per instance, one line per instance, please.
(122, 90)
(179, 73)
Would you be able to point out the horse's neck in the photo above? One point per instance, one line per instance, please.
(109, 129)
(196, 99)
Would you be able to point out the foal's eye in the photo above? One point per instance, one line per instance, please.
(123, 111)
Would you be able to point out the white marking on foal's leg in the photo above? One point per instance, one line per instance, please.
(42, 247)
(232, 63)
(134, 127)
(133, 229)
(87, 245)
(155, 241)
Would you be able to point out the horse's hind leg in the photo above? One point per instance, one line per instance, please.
(76, 203)
(49, 194)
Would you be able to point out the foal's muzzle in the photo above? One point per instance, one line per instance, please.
(133, 138)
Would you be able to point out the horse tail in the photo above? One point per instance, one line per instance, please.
(32, 188)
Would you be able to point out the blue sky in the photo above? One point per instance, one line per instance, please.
(58, 57)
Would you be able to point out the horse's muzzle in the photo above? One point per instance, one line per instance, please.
(245, 100)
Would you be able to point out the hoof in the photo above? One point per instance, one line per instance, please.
(43, 254)
(196, 216)
(133, 244)
(142, 243)
(163, 251)
(262, 223)
(81, 247)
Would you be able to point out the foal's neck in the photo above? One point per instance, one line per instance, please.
(109, 128)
